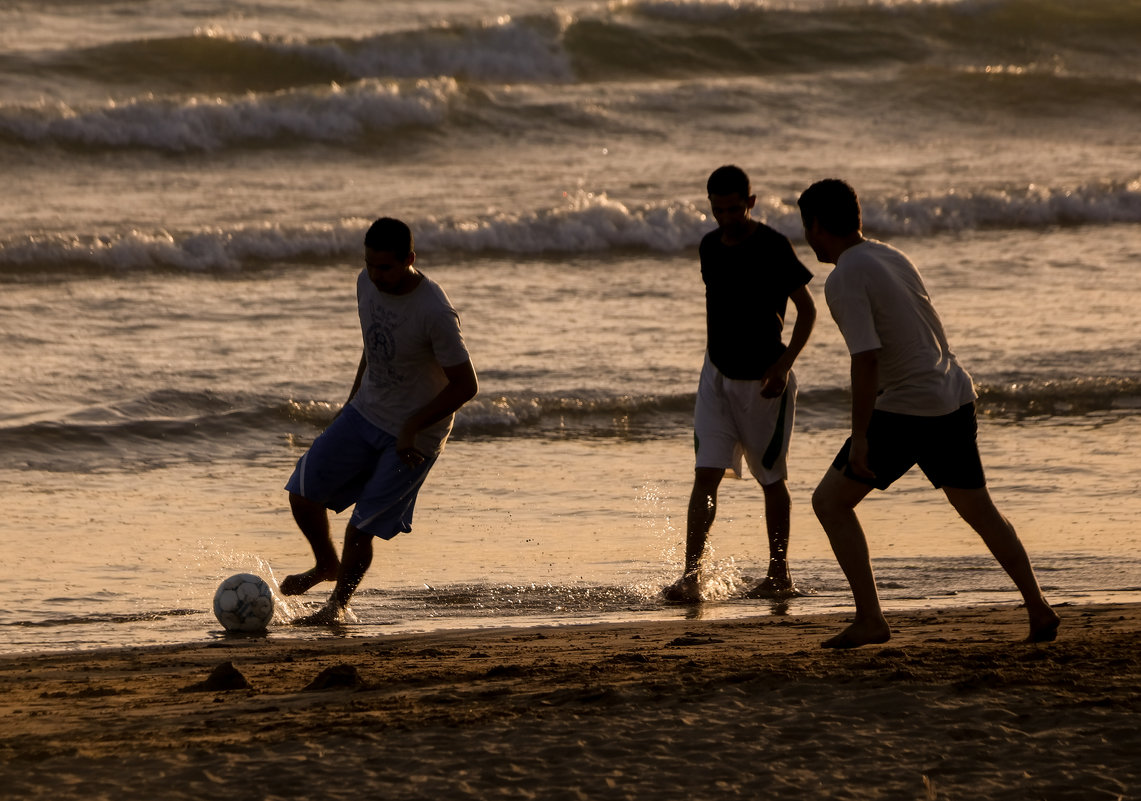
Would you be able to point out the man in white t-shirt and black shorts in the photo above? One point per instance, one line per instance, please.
(414, 374)
(912, 403)
(746, 397)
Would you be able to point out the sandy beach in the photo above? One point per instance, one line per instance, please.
(954, 707)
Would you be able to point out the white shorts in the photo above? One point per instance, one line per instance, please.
(731, 419)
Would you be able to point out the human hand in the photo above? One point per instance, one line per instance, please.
(407, 450)
(858, 458)
(774, 382)
(411, 457)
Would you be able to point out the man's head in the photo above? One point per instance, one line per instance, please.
(391, 236)
(731, 197)
(389, 252)
(830, 211)
(728, 180)
(832, 203)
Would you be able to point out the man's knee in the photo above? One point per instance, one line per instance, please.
(777, 490)
(836, 494)
(301, 504)
(354, 534)
(821, 501)
(975, 506)
(706, 480)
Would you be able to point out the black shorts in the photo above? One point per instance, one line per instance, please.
(945, 448)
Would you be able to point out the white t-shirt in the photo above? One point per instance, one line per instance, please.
(878, 300)
(408, 340)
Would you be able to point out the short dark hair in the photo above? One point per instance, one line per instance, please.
(390, 236)
(728, 180)
(833, 204)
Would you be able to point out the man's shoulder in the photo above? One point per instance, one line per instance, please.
(872, 250)
(766, 233)
(762, 238)
(431, 292)
(854, 268)
(874, 261)
(427, 301)
(774, 247)
(870, 267)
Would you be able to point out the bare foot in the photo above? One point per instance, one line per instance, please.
(1044, 627)
(301, 583)
(327, 615)
(771, 588)
(686, 590)
(860, 633)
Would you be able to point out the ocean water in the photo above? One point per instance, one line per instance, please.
(187, 185)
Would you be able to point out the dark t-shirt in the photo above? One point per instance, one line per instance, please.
(746, 294)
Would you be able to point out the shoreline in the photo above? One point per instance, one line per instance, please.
(953, 706)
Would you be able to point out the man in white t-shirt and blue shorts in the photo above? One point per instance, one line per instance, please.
(414, 374)
(912, 403)
(746, 396)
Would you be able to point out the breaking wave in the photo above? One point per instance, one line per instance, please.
(587, 223)
(170, 426)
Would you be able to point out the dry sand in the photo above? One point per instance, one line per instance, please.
(954, 707)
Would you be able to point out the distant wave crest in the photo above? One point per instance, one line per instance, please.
(219, 89)
(586, 223)
(625, 38)
(173, 426)
(1030, 206)
(329, 113)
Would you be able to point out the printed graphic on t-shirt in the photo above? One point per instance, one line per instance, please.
(381, 341)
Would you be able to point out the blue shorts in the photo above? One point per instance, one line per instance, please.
(354, 462)
(945, 448)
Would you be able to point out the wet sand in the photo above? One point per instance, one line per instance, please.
(953, 707)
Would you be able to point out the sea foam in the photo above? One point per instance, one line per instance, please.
(586, 223)
(325, 114)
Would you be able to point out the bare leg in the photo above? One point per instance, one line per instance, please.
(313, 521)
(835, 502)
(778, 515)
(355, 561)
(977, 508)
(356, 558)
(702, 511)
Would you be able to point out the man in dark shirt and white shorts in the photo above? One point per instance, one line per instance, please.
(746, 396)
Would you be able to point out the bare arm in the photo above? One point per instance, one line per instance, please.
(462, 386)
(776, 378)
(865, 385)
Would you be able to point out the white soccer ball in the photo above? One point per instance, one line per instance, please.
(243, 603)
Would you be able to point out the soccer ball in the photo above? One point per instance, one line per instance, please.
(243, 603)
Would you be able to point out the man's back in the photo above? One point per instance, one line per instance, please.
(879, 301)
